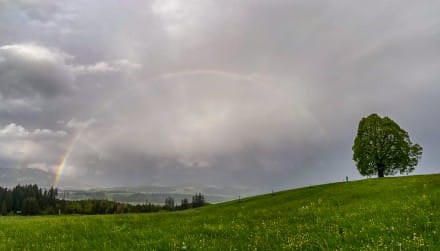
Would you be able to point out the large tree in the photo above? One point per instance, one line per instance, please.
(381, 147)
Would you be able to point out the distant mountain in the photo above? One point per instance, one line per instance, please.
(73, 190)
(157, 194)
(10, 177)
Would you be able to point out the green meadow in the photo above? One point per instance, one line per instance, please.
(401, 213)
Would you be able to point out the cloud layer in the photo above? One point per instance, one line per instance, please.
(256, 93)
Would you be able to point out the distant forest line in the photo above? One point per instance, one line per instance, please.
(32, 200)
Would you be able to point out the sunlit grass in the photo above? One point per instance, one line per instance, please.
(391, 213)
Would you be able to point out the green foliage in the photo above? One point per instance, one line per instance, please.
(198, 200)
(3, 209)
(30, 206)
(376, 214)
(103, 207)
(30, 200)
(13, 200)
(184, 204)
(381, 147)
(169, 203)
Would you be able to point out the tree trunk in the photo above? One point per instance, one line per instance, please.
(380, 171)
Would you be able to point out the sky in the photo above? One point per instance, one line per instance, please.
(259, 94)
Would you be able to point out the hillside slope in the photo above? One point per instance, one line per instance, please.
(374, 214)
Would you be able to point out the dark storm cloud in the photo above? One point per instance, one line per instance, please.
(261, 93)
(30, 70)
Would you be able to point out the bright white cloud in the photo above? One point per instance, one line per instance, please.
(49, 133)
(107, 67)
(32, 52)
(13, 130)
(101, 67)
(78, 124)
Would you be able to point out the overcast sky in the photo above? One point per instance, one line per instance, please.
(263, 94)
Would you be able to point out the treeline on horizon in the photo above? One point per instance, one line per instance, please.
(32, 200)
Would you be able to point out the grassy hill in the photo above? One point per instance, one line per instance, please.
(375, 214)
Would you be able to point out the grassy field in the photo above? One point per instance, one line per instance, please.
(376, 214)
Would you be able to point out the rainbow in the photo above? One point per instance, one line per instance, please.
(252, 78)
(65, 157)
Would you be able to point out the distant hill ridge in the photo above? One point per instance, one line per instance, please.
(10, 177)
(73, 190)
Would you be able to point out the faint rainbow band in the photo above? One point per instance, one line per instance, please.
(252, 78)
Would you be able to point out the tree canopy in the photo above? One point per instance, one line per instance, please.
(198, 200)
(31, 200)
(381, 147)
